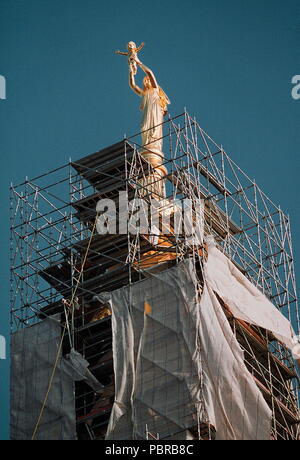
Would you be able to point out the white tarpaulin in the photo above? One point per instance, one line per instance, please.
(244, 300)
(178, 363)
(234, 404)
(155, 360)
(34, 352)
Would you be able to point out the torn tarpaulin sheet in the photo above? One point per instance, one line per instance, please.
(76, 367)
(244, 300)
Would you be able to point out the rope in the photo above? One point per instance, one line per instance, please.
(63, 334)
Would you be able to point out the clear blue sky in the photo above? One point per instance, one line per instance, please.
(229, 62)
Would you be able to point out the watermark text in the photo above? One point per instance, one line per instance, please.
(296, 88)
(2, 87)
(182, 218)
(2, 347)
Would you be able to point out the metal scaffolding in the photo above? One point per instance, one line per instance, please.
(54, 247)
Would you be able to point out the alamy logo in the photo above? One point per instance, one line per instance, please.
(181, 218)
(2, 347)
(2, 87)
(296, 89)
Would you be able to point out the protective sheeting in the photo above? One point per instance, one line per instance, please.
(76, 367)
(244, 300)
(235, 405)
(33, 354)
(177, 364)
(156, 373)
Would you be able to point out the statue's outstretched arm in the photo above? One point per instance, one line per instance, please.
(140, 47)
(149, 73)
(121, 52)
(133, 85)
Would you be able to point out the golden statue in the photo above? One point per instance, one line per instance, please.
(154, 107)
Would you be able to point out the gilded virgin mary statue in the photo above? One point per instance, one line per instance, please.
(154, 106)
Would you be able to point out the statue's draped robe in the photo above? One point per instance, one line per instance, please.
(152, 116)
